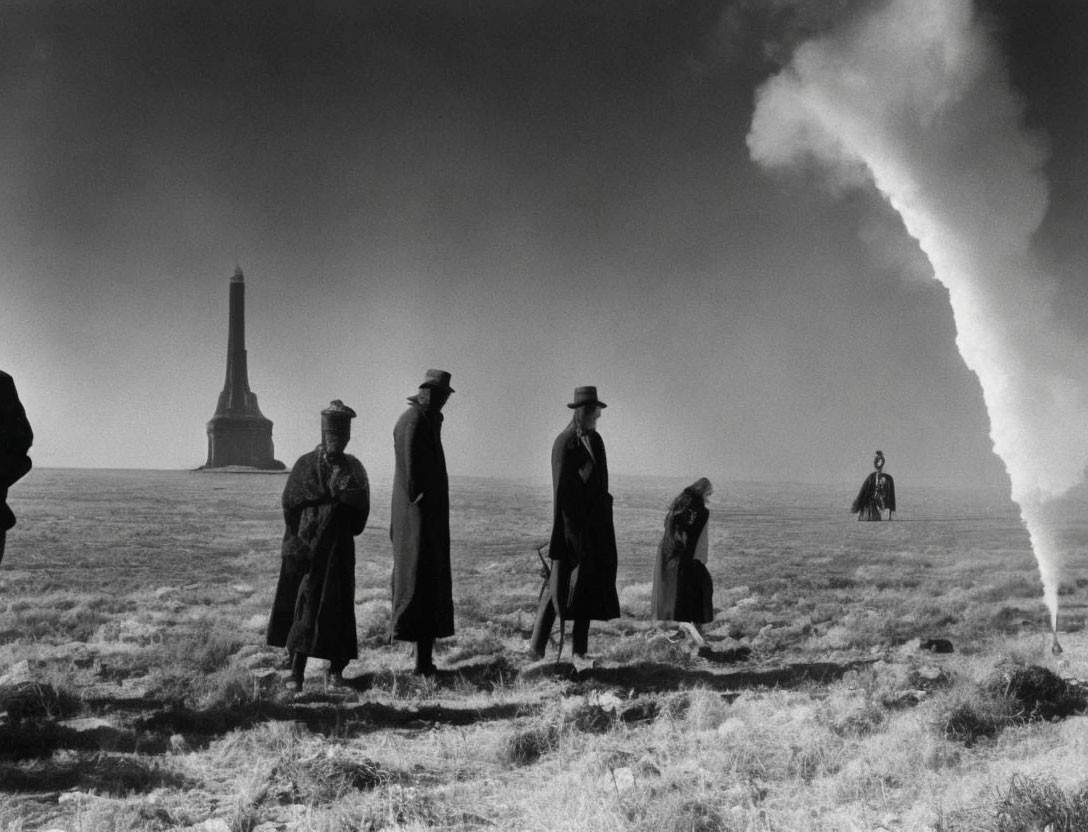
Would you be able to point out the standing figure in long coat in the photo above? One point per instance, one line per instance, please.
(876, 494)
(15, 440)
(583, 545)
(326, 503)
(683, 590)
(419, 524)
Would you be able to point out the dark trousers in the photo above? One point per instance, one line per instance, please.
(425, 655)
(298, 666)
(542, 629)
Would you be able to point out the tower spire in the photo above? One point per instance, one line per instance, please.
(238, 433)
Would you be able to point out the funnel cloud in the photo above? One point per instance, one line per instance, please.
(915, 99)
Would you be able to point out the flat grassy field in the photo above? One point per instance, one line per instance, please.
(137, 692)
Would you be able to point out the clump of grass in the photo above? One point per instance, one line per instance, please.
(1036, 693)
(34, 700)
(372, 618)
(590, 718)
(525, 746)
(205, 649)
(322, 777)
(475, 642)
(1029, 804)
(657, 649)
(703, 710)
(969, 722)
(399, 806)
(1013, 695)
(677, 812)
(857, 719)
(1035, 803)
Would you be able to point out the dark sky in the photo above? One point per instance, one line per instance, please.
(532, 196)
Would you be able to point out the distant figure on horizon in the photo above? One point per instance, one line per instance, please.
(683, 590)
(326, 503)
(419, 524)
(877, 493)
(16, 438)
(583, 545)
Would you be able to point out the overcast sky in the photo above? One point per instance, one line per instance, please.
(531, 195)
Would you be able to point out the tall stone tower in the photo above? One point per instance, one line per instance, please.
(238, 433)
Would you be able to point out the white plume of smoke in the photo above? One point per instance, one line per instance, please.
(915, 99)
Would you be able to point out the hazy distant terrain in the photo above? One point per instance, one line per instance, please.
(138, 692)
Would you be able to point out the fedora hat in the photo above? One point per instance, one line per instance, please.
(586, 395)
(438, 379)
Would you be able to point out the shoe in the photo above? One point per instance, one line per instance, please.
(582, 662)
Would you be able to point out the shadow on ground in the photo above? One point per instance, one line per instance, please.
(649, 677)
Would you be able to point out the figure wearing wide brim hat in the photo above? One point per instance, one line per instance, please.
(419, 525)
(582, 579)
(584, 396)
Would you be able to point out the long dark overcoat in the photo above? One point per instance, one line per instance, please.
(683, 590)
(583, 544)
(867, 505)
(15, 440)
(314, 609)
(420, 529)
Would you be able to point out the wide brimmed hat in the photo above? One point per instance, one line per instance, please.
(337, 416)
(438, 380)
(585, 395)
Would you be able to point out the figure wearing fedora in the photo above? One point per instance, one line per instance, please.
(326, 502)
(419, 524)
(876, 494)
(583, 544)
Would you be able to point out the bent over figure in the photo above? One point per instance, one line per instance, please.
(876, 494)
(16, 438)
(326, 503)
(683, 590)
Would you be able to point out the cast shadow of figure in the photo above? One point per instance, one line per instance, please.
(656, 677)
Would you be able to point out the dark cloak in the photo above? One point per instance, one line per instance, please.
(420, 529)
(867, 504)
(683, 590)
(16, 438)
(314, 609)
(583, 543)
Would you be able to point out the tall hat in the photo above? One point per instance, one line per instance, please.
(337, 416)
(437, 379)
(584, 396)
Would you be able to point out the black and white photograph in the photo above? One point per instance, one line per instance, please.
(544, 415)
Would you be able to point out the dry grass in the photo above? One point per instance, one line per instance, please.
(140, 696)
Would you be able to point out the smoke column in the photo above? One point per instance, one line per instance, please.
(915, 99)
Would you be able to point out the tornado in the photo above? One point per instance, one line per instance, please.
(914, 99)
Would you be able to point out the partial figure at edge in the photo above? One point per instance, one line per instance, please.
(326, 503)
(877, 493)
(419, 525)
(16, 437)
(683, 590)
